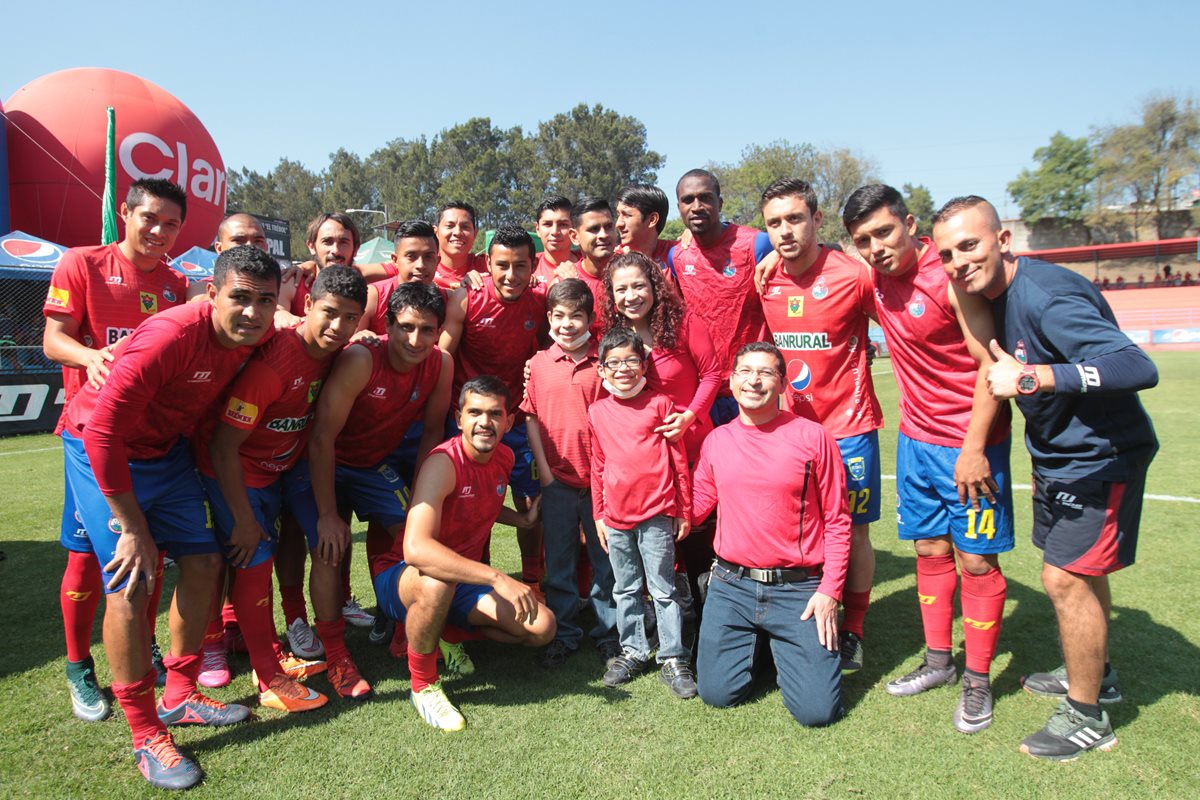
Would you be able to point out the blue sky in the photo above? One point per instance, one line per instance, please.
(953, 95)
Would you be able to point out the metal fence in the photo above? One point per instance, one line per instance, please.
(21, 327)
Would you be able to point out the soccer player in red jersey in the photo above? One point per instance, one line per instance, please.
(553, 227)
(415, 259)
(234, 231)
(436, 574)
(594, 231)
(954, 496)
(249, 442)
(97, 296)
(332, 238)
(136, 489)
(641, 216)
(817, 306)
(456, 232)
(374, 393)
(504, 324)
(715, 274)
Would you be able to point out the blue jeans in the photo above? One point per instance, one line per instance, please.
(647, 554)
(564, 509)
(736, 610)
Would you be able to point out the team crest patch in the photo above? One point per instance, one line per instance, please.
(800, 376)
(388, 473)
(916, 308)
(500, 489)
(314, 389)
(1019, 352)
(114, 525)
(820, 291)
(857, 467)
(149, 302)
(729, 271)
(796, 306)
(168, 295)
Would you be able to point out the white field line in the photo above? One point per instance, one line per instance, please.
(1168, 498)
(35, 450)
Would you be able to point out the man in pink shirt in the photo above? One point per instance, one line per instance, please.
(779, 570)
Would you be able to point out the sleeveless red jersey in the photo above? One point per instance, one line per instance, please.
(378, 323)
(499, 337)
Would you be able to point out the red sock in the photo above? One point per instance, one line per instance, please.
(229, 618)
(855, 605)
(453, 634)
(532, 568)
(379, 543)
(137, 701)
(155, 596)
(182, 672)
(79, 596)
(423, 668)
(214, 634)
(983, 612)
(294, 607)
(252, 601)
(333, 636)
(936, 580)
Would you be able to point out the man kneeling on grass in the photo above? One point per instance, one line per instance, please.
(436, 576)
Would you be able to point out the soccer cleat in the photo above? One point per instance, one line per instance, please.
(381, 631)
(303, 641)
(160, 669)
(436, 709)
(87, 698)
(201, 710)
(556, 654)
(457, 663)
(625, 668)
(1068, 734)
(345, 679)
(355, 615)
(161, 763)
(851, 646)
(286, 694)
(974, 712)
(677, 673)
(608, 650)
(921, 679)
(1054, 684)
(298, 668)
(214, 670)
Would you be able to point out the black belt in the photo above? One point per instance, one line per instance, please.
(770, 576)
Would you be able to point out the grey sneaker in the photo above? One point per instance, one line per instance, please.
(1054, 684)
(851, 646)
(974, 712)
(921, 679)
(677, 673)
(355, 615)
(87, 698)
(625, 668)
(381, 631)
(1068, 734)
(303, 641)
(608, 650)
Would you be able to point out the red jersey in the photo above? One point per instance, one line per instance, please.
(819, 321)
(498, 337)
(596, 287)
(108, 296)
(934, 370)
(559, 391)
(446, 277)
(469, 512)
(165, 377)
(385, 408)
(717, 283)
(690, 376)
(636, 473)
(303, 290)
(543, 270)
(780, 494)
(274, 397)
(378, 323)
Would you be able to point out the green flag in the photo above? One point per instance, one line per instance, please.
(108, 210)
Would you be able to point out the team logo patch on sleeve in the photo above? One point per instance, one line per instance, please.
(149, 302)
(241, 412)
(60, 298)
(796, 306)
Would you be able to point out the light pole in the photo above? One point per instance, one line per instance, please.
(386, 217)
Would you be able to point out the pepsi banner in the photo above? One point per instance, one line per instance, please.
(30, 403)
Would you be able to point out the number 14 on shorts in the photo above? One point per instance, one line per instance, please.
(981, 523)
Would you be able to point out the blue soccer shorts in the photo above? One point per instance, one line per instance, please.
(387, 597)
(377, 494)
(860, 457)
(267, 504)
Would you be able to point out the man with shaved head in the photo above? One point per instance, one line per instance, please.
(234, 230)
(1075, 377)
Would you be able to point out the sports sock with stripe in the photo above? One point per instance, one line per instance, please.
(137, 701)
(252, 603)
(182, 672)
(936, 581)
(983, 614)
(79, 596)
(423, 668)
(294, 607)
(333, 636)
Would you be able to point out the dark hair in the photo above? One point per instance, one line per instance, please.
(486, 385)
(462, 206)
(956, 205)
(586, 205)
(248, 260)
(666, 318)
(790, 187)
(512, 237)
(866, 200)
(762, 347)
(418, 297)
(314, 227)
(648, 200)
(557, 203)
(622, 337)
(700, 173)
(414, 229)
(161, 188)
(341, 281)
(573, 294)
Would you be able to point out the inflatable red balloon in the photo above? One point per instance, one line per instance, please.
(56, 138)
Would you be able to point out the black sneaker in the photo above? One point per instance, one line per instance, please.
(974, 712)
(625, 668)
(851, 646)
(1054, 684)
(1068, 734)
(608, 650)
(677, 673)
(160, 668)
(381, 630)
(556, 654)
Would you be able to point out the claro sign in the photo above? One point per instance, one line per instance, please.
(144, 155)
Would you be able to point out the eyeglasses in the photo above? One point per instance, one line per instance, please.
(614, 364)
(746, 373)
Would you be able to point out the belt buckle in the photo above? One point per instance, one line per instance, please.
(766, 576)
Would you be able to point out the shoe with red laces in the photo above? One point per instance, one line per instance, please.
(201, 710)
(345, 679)
(286, 694)
(161, 763)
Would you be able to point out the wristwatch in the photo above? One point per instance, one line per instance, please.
(1027, 381)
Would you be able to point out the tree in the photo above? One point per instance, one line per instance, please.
(920, 205)
(290, 191)
(1149, 163)
(1060, 187)
(346, 184)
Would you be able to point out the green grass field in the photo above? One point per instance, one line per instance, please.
(562, 734)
